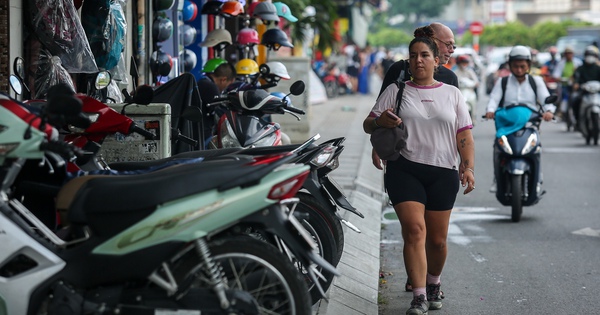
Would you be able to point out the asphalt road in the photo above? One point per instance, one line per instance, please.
(548, 263)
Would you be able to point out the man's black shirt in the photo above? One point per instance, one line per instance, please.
(442, 74)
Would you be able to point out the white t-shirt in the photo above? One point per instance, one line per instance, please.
(433, 115)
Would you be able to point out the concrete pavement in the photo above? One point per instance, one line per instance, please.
(356, 291)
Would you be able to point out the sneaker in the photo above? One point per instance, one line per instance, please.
(418, 306)
(434, 296)
(494, 187)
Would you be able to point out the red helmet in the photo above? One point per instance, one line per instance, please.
(232, 8)
(462, 58)
(247, 36)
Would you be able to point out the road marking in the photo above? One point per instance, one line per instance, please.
(588, 231)
(572, 150)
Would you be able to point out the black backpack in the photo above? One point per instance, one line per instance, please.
(504, 82)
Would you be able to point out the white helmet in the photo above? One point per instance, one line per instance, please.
(277, 68)
(519, 52)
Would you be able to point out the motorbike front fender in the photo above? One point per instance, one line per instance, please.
(517, 166)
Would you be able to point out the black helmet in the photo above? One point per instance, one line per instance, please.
(275, 38)
(161, 63)
(212, 7)
(162, 29)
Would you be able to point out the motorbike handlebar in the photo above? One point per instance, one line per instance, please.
(187, 140)
(295, 110)
(143, 132)
(66, 150)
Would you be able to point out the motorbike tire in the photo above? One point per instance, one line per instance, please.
(595, 127)
(326, 247)
(516, 186)
(331, 89)
(333, 223)
(263, 271)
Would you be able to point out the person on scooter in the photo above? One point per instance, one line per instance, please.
(468, 82)
(590, 72)
(218, 75)
(519, 91)
(563, 73)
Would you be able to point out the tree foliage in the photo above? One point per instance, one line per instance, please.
(321, 23)
(420, 8)
(389, 37)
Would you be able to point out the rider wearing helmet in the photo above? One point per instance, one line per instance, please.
(218, 75)
(518, 90)
(589, 72)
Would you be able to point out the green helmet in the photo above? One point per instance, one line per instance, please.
(212, 64)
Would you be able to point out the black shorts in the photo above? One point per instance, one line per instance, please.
(435, 187)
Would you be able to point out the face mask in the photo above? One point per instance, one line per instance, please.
(590, 59)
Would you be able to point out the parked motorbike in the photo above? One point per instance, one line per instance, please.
(589, 111)
(168, 238)
(336, 81)
(517, 166)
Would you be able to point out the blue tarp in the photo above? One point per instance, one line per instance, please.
(510, 120)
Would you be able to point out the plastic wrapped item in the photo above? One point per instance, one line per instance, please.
(49, 73)
(113, 93)
(58, 27)
(105, 26)
(119, 72)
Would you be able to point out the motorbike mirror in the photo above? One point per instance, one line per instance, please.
(551, 99)
(264, 69)
(297, 87)
(143, 95)
(103, 79)
(16, 84)
(19, 68)
(192, 113)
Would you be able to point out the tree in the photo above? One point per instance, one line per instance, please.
(389, 37)
(321, 22)
(420, 8)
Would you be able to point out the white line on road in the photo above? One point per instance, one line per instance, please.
(588, 231)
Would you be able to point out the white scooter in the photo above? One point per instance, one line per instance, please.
(589, 111)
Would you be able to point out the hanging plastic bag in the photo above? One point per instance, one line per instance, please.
(58, 27)
(49, 73)
(105, 26)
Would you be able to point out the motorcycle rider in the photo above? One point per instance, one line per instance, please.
(468, 82)
(590, 72)
(563, 73)
(519, 90)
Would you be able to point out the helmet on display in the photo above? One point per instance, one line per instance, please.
(188, 34)
(212, 64)
(189, 59)
(275, 38)
(277, 68)
(591, 51)
(190, 11)
(247, 36)
(216, 37)
(212, 7)
(161, 63)
(462, 58)
(162, 5)
(266, 11)
(519, 52)
(232, 8)
(162, 29)
(246, 67)
(284, 11)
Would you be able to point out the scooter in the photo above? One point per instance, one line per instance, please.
(589, 111)
(170, 246)
(517, 162)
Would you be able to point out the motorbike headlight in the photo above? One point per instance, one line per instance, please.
(5, 148)
(503, 143)
(334, 163)
(530, 144)
(266, 141)
(228, 138)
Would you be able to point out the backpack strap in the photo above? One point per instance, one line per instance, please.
(504, 82)
(403, 72)
(400, 85)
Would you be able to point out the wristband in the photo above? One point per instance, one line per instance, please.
(470, 169)
(375, 122)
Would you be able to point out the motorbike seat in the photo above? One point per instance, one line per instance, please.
(206, 154)
(128, 198)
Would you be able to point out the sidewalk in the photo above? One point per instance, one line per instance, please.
(356, 291)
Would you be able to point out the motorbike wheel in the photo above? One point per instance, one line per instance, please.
(249, 265)
(331, 89)
(595, 127)
(333, 223)
(516, 197)
(570, 117)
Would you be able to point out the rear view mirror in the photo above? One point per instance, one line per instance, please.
(297, 87)
(103, 79)
(16, 84)
(19, 68)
